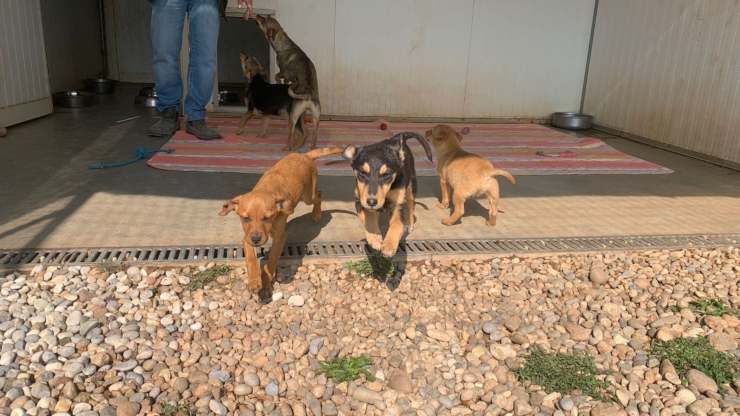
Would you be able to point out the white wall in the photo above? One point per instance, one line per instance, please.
(669, 70)
(24, 84)
(463, 58)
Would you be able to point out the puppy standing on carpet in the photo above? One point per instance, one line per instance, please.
(267, 99)
(298, 71)
(385, 177)
(468, 174)
(264, 211)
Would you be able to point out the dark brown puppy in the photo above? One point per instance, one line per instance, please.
(468, 174)
(264, 211)
(297, 70)
(386, 178)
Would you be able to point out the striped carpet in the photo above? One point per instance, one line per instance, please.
(523, 149)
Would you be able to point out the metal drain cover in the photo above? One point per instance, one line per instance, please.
(11, 259)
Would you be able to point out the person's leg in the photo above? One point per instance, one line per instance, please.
(204, 19)
(168, 17)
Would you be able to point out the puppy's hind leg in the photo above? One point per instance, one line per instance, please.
(459, 200)
(316, 116)
(444, 201)
(312, 196)
(410, 208)
(493, 197)
(295, 116)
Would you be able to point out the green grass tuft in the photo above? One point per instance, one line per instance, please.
(177, 409)
(203, 278)
(697, 353)
(374, 265)
(347, 368)
(565, 373)
(712, 307)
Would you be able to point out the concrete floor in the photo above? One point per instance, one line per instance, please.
(49, 198)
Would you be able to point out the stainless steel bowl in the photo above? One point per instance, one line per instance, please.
(73, 99)
(572, 120)
(147, 97)
(100, 85)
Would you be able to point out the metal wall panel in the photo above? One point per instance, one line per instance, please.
(669, 70)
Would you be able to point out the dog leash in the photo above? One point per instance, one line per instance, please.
(142, 153)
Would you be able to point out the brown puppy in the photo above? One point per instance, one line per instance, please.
(468, 174)
(265, 210)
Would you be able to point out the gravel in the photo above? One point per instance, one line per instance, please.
(82, 341)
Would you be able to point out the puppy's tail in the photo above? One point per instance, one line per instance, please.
(297, 96)
(402, 137)
(324, 151)
(505, 174)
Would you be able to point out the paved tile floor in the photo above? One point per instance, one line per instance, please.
(48, 197)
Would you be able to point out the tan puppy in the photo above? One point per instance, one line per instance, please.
(468, 174)
(265, 210)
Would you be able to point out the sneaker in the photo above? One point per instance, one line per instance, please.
(200, 129)
(167, 125)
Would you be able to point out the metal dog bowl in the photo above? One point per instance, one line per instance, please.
(147, 97)
(572, 120)
(73, 99)
(100, 85)
(229, 97)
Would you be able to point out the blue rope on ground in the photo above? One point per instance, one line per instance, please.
(142, 153)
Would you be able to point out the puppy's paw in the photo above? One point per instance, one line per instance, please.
(240, 132)
(287, 149)
(389, 250)
(375, 241)
(254, 287)
(262, 135)
(448, 222)
(265, 296)
(316, 217)
(443, 205)
(491, 222)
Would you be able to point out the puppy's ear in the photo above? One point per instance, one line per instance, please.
(350, 152)
(242, 56)
(229, 206)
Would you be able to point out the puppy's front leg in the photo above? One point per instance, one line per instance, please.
(270, 269)
(369, 220)
(444, 190)
(394, 234)
(254, 283)
(245, 118)
(265, 123)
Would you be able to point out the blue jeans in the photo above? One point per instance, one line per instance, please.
(168, 17)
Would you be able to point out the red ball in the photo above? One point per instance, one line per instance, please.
(465, 130)
(384, 126)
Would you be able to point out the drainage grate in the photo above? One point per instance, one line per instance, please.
(10, 259)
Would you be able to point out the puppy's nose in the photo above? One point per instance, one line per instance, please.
(371, 201)
(256, 238)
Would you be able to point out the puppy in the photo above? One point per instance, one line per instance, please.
(264, 211)
(267, 99)
(468, 174)
(296, 69)
(385, 178)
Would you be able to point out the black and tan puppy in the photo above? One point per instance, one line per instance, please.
(468, 174)
(296, 69)
(386, 179)
(267, 99)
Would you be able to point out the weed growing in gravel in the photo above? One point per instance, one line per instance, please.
(347, 368)
(110, 267)
(565, 373)
(698, 353)
(202, 278)
(177, 409)
(375, 265)
(712, 307)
